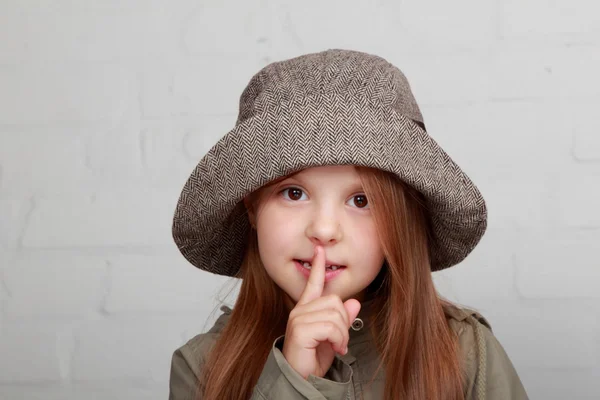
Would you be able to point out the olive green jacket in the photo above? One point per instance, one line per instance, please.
(490, 373)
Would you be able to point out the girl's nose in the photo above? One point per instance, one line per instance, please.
(324, 230)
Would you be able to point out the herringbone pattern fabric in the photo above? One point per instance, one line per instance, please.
(328, 108)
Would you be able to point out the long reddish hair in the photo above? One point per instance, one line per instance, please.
(418, 350)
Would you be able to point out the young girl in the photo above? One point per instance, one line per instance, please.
(333, 205)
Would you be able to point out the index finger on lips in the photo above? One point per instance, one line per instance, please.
(316, 279)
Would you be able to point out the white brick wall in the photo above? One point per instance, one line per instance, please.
(106, 106)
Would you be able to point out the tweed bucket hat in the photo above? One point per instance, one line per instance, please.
(333, 107)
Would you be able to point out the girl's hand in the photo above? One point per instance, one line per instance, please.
(318, 326)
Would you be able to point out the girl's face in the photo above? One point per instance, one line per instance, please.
(319, 206)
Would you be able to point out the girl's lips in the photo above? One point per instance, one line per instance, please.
(329, 275)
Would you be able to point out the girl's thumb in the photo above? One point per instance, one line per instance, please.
(353, 308)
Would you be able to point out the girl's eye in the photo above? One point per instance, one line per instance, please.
(294, 193)
(360, 201)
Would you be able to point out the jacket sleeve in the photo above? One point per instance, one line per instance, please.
(492, 374)
(278, 380)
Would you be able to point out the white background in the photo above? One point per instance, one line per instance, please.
(106, 106)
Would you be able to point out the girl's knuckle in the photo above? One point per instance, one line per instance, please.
(330, 327)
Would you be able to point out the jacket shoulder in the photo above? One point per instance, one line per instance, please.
(466, 323)
(188, 360)
(197, 348)
(488, 370)
(457, 314)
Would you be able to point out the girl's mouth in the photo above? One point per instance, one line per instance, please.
(308, 266)
(331, 271)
